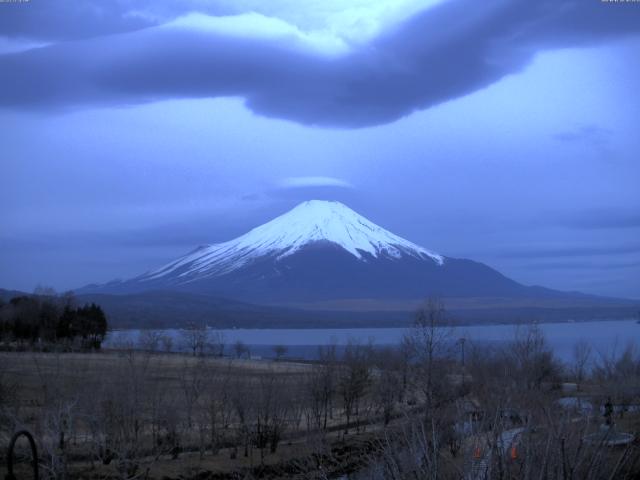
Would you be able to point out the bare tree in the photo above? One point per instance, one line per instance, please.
(8, 394)
(430, 342)
(619, 374)
(59, 414)
(280, 351)
(272, 409)
(216, 343)
(581, 359)
(195, 338)
(241, 350)
(192, 382)
(243, 399)
(218, 404)
(321, 388)
(167, 343)
(531, 359)
(149, 340)
(387, 387)
(354, 380)
(120, 416)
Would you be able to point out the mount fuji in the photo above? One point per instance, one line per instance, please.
(322, 251)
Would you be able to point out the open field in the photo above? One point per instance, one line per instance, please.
(398, 414)
(169, 395)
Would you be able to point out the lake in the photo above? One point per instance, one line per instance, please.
(605, 337)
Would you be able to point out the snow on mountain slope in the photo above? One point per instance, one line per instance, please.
(309, 222)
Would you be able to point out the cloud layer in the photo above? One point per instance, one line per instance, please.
(304, 182)
(120, 56)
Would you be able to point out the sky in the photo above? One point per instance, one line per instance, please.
(502, 131)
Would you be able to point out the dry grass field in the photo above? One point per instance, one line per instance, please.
(412, 412)
(168, 395)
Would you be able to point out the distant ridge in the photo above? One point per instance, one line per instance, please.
(172, 309)
(322, 251)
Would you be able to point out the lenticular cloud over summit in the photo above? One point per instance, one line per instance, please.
(303, 182)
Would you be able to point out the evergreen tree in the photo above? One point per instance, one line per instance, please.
(64, 329)
(50, 319)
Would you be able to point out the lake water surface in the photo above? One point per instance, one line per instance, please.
(605, 337)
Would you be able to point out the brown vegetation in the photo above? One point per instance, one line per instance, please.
(436, 407)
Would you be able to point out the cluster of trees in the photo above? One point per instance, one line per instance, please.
(196, 339)
(433, 408)
(498, 412)
(46, 318)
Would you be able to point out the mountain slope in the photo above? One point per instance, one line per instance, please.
(322, 251)
(308, 223)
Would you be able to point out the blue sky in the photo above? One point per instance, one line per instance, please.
(505, 132)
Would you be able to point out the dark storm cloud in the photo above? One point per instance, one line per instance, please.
(442, 53)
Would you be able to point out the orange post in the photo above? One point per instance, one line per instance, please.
(477, 453)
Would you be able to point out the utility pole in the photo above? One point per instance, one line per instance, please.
(462, 341)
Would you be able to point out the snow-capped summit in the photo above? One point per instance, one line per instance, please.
(319, 250)
(311, 221)
(319, 256)
(334, 222)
